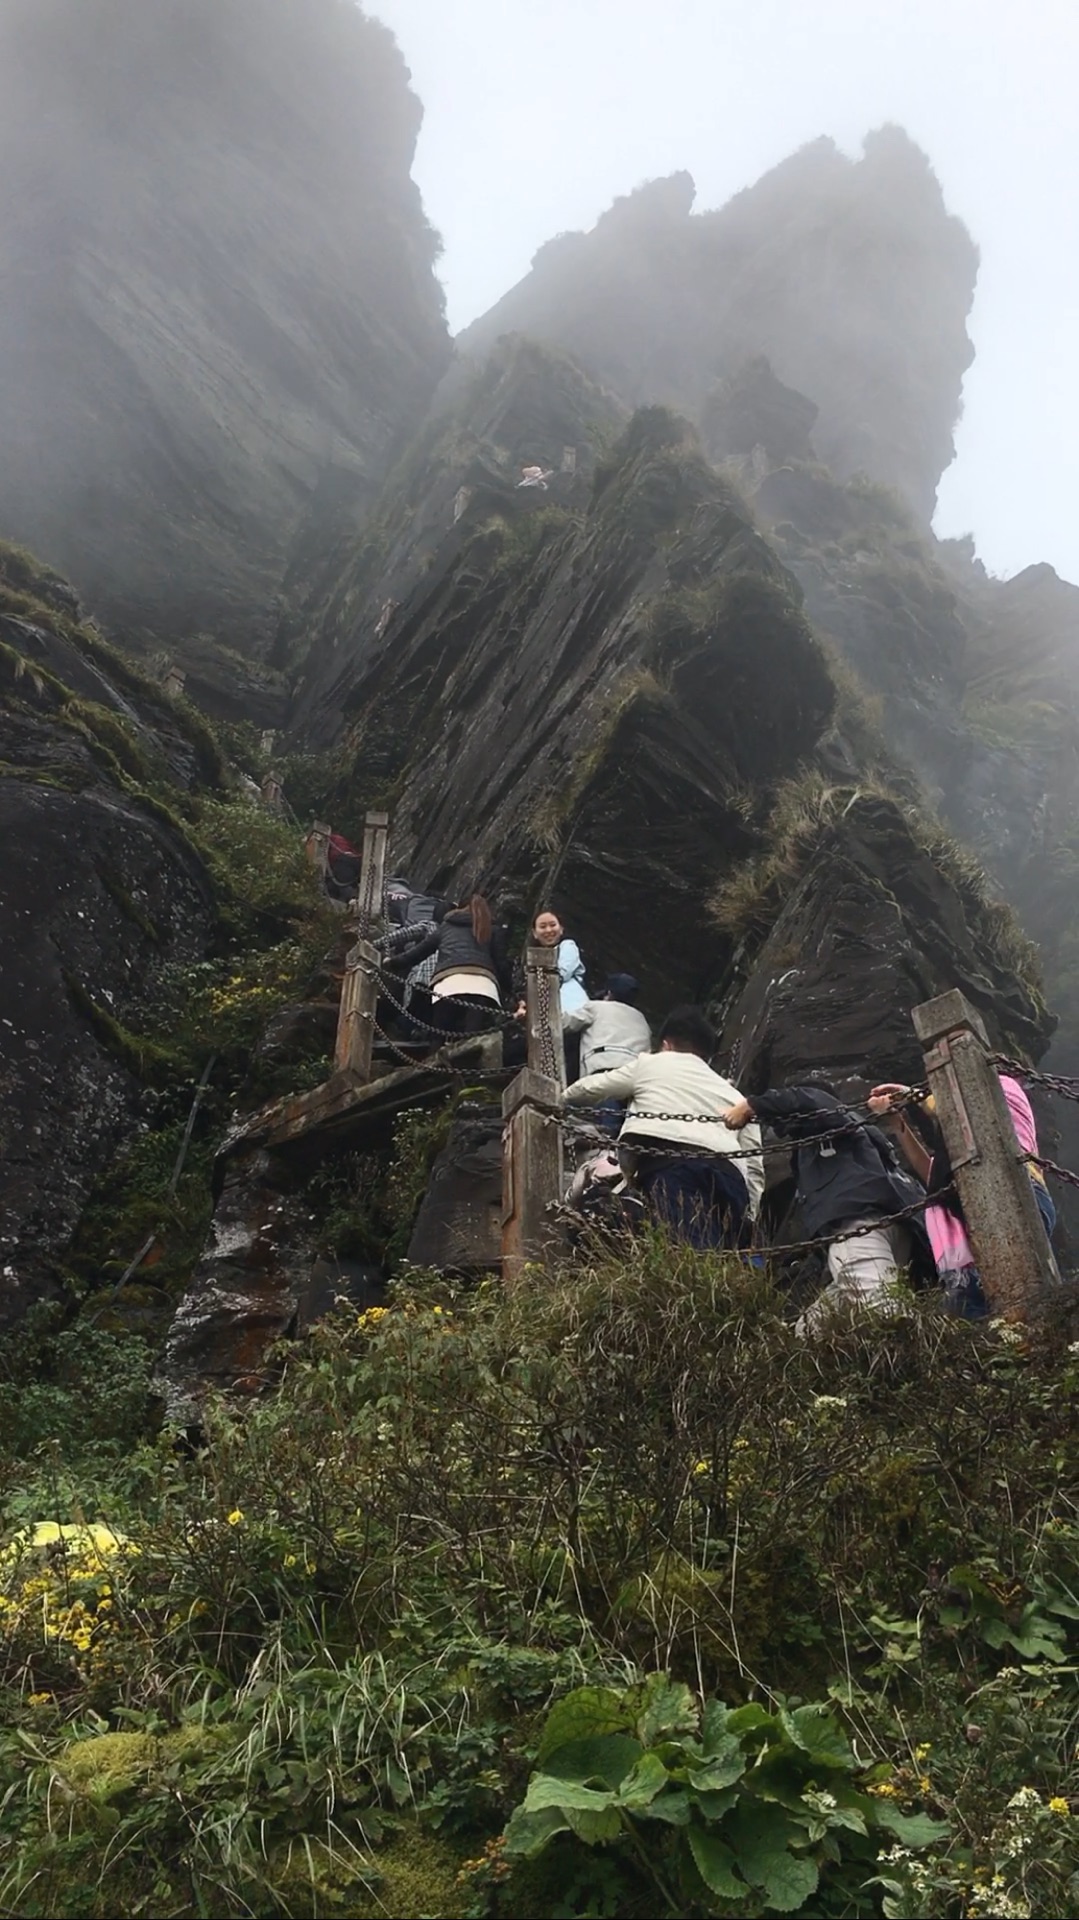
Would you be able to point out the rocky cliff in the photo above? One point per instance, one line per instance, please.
(219, 311)
(610, 693)
(849, 275)
(100, 889)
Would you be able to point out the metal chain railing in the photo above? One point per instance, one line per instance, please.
(548, 1061)
(1058, 1083)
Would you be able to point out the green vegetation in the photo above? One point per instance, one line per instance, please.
(609, 1596)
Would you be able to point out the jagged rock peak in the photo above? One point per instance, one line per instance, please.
(848, 274)
(219, 291)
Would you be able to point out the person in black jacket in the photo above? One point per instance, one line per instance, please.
(845, 1182)
(471, 971)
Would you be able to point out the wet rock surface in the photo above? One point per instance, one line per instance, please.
(870, 929)
(97, 892)
(219, 294)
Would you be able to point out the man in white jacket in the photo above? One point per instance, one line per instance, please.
(703, 1181)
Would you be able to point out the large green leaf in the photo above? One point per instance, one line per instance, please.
(721, 1769)
(714, 1805)
(594, 1828)
(818, 1733)
(914, 1829)
(672, 1808)
(640, 1787)
(749, 1718)
(790, 1881)
(666, 1709)
(714, 1726)
(607, 1757)
(545, 1791)
(715, 1864)
(761, 1834)
(528, 1833)
(580, 1715)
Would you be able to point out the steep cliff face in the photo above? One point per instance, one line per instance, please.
(587, 689)
(98, 891)
(219, 297)
(849, 275)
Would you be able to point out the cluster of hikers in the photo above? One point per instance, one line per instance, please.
(676, 1142)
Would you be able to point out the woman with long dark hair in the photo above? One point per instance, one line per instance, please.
(471, 972)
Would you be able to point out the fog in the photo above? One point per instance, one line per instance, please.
(537, 115)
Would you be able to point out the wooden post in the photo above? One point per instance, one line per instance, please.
(273, 793)
(356, 1020)
(317, 846)
(372, 885)
(1009, 1241)
(531, 1171)
(543, 999)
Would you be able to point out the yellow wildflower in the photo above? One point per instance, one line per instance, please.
(883, 1789)
(236, 1518)
(925, 1785)
(40, 1700)
(701, 1466)
(921, 1754)
(1059, 1805)
(290, 1559)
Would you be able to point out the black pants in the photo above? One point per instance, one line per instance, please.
(701, 1199)
(465, 1013)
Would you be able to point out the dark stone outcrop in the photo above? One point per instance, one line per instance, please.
(872, 926)
(97, 891)
(219, 294)
(588, 698)
(850, 276)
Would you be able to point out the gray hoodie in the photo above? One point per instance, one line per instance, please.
(611, 1033)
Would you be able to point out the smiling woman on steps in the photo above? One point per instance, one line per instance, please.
(548, 931)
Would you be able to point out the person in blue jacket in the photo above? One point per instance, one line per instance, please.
(548, 931)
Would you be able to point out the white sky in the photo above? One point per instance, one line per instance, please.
(538, 112)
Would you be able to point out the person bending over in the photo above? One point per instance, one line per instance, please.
(674, 1139)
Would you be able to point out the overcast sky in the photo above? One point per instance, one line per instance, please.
(538, 112)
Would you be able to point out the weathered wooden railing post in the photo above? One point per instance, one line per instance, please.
(532, 1176)
(356, 1019)
(372, 887)
(1009, 1241)
(317, 847)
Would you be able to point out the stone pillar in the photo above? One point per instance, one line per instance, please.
(543, 998)
(1014, 1257)
(531, 1172)
(273, 794)
(267, 739)
(356, 1019)
(569, 459)
(460, 501)
(317, 846)
(372, 887)
(174, 682)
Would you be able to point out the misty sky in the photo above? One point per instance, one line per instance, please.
(538, 112)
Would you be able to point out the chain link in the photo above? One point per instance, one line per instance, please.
(549, 1065)
(1050, 1166)
(1059, 1083)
